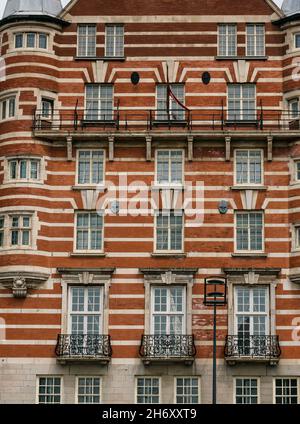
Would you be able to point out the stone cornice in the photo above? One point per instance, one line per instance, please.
(20, 281)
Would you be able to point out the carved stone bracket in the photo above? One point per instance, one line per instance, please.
(190, 148)
(270, 148)
(227, 148)
(69, 149)
(20, 282)
(111, 148)
(148, 148)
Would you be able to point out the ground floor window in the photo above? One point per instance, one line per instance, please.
(246, 391)
(148, 389)
(187, 390)
(286, 391)
(49, 390)
(88, 389)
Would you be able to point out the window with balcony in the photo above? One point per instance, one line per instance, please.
(89, 232)
(114, 41)
(249, 232)
(241, 102)
(252, 337)
(169, 167)
(147, 390)
(8, 107)
(167, 107)
(88, 390)
(22, 169)
(255, 40)
(90, 167)
(187, 390)
(286, 391)
(168, 328)
(293, 107)
(99, 102)
(31, 40)
(47, 108)
(246, 391)
(169, 231)
(85, 338)
(87, 39)
(227, 40)
(248, 167)
(49, 390)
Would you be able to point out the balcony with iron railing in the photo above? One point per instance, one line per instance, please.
(252, 349)
(168, 348)
(78, 122)
(83, 347)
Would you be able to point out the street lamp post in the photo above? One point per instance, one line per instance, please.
(215, 294)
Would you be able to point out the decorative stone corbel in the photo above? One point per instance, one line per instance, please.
(111, 148)
(227, 148)
(20, 282)
(270, 148)
(148, 148)
(19, 287)
(190, 148)
(69, 149)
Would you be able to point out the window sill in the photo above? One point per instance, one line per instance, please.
(23, 182)
(241, 57)
(86, 254)
(168, 254)
(249, 187)
(249, 255)
(89, 187)
(104, 58)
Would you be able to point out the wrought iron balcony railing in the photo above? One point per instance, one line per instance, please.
(256, 347)
(83, 346)
(221, 119)
(171, 346)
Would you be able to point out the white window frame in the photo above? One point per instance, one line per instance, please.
(296, 237)
(169, 251)
(36, 46)
(20, 229)
(6, 100)
(85, 312)
(184, 377)
(86, 37)
(255, 37)
(100, 113)
(279, 377)
(227, 36)
(169, 183)
(236, 182)
(246, 378)
(251, 313)
(28, 161)
(115, 36)
(169, 313)
(77, 388)
(38, 389)
(161, 114)
(241, 111)
(90, 184)
(238, 212)
(136, 387)
(88, 251)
